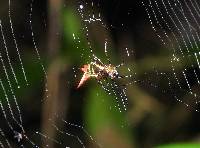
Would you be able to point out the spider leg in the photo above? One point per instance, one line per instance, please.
(122, 64)
(106, 52)
(120, 76)
(97, 60)
(124, 76)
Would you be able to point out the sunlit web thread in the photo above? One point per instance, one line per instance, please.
(1, 144)
(7, 142)
(165, 91)
(15, 132)
(69, 134)
(155, 30)
(11, 88)
(106, 52)
(127, 52)
(121, 92)
(165, 33)
(5, 116)
(193, 39)
(110, 90)
(92, 17)
(48, 138)
(85, 28)
(176, 41)
(177, 99)
(111, 87)
(181, 31)
(196, 6)
(19, 123)
(7, 54)
(120, 96)
(181, 34)
(152, 24)
(189, 28)
(15, 41)
(117, 89)
(183, 90)
(35, 46)
(105, 75)
(77, 40)
(13, 117)
(89, 20)
(22, 136)
(189, 24)
(197, 59)
(172, 61)
(187, 80)
(83, 129)
(9, 105)
(184, 29)
(79, 127)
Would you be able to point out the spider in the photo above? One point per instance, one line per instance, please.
(105, 74)
(99, 71)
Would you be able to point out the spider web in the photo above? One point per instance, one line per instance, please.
(14, 76)
(175, 23)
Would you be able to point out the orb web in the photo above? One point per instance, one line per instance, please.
(174, 22)
(176, 25)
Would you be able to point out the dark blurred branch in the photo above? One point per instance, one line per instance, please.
(57, 91)
(54, 19)
(56, 103)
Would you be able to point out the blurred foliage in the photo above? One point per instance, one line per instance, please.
(180, 145)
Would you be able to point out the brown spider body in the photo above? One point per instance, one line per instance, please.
(99, 71)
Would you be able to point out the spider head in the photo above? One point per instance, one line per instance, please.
(114, 74)
(112, 71)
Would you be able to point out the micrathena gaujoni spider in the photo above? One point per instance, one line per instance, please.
(106, 76)
(99, 71)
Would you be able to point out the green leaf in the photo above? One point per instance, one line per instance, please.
(180, 145)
